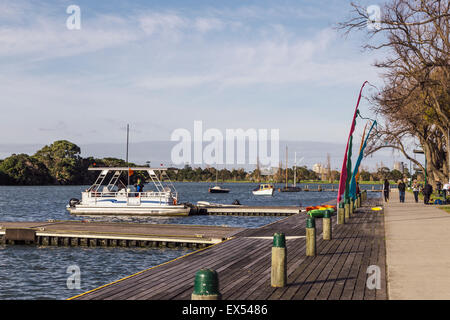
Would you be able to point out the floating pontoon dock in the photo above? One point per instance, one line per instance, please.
(235, 210)
(80, 233)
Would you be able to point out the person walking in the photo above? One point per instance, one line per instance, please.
(427, 191)
(438, 187)
(401, 190)
(386, 190)
(415, 189)
(445, 190)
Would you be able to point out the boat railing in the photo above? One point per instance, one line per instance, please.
(132, 194)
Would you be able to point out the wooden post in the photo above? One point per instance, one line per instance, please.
(54, 241)
(341, 213)
(326, 225)
(352, 207)
(310, 237)
(347, 209)
(279, 261)
(45, 241)
(206, 285)
(66, 241)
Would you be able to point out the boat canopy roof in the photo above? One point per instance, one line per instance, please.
(157, 175)
(126, 168)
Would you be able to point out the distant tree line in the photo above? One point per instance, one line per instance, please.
(235, 175)
(60, 163)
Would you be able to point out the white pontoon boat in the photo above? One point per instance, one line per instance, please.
(113, 198)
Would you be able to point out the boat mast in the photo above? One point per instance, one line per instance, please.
(286, 167)
(295, 169)
(128, 173)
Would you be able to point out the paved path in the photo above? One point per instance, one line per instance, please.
(417, 250)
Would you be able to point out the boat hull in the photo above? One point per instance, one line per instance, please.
(218, 190)
(170, 210)
(267, 192)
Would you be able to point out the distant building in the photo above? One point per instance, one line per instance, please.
(398, 166)
(318, 168)
(269, 171)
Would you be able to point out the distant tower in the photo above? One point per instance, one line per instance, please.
(329, 168)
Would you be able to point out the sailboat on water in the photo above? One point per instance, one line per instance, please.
(217, 188)
(288, 188)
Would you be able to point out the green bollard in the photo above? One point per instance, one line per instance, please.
(206, 285)
(326, 225)
(340, 213)
(279, 261)
(310, 237)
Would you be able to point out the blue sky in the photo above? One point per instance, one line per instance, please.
(160, 65)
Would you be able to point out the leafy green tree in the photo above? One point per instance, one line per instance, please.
(396, 175)
(383, 173)
(22, 169)
(364, 175)
(4, 179)
(112, 162)
(62, 159)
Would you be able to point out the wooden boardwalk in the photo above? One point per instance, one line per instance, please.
(338, 271)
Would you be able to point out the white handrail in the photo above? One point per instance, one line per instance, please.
(96, 194)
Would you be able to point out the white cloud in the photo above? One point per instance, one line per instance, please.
(205, 62)
(208, 24)
(162, 23)
(277, 61)
(47, 38)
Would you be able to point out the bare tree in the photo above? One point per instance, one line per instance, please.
(415, 101)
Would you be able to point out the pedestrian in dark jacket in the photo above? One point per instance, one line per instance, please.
(416, 189)
(401, 190)
(386, 190)
(427, 191)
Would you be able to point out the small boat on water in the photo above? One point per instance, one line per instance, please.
(109, 195)
(264, 190)
(218, 189)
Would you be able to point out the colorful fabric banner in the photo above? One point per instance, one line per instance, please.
(360, 148)
(349, 169)
(358, 162)
(344, 173)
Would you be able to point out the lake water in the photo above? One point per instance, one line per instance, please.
(37, 272)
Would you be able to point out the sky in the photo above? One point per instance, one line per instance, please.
(161, 65)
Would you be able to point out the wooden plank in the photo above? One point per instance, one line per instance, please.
(310, 264)
(340, 274)
(349, 286)
(168, 280)
(243, 265)
(217, 265)
(328, 264)
(156, 275)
